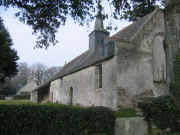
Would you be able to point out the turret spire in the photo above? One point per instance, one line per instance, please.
(99, 34)
(99, 19)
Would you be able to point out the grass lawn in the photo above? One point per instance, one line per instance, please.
(8, 102)
(122, 113)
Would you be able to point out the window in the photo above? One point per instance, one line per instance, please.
(98, 76)
(71, 96)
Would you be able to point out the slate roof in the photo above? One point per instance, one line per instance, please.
(28, 87)
(90, 57)
(129, 32)
(84, 60)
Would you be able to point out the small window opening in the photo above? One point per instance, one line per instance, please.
(98, 74)
(71, 96)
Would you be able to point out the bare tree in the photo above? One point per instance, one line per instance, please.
(50, 72)
(38, 72)
(22, 77)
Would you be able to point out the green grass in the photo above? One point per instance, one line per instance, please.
(9, 102)
(125, 113)
(28, 102)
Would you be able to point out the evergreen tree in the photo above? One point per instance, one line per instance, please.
(8, 56)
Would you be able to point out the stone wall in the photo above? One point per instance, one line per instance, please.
(131, 126)
(34, 97)
(54, 91)
(137, 70)
(84, 88)
(141, 64)
(136, 126)
(172, 16)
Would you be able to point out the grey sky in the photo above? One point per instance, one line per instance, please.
(73, 40)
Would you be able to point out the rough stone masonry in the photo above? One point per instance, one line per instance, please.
(117, 71)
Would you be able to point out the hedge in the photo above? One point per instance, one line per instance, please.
(164, 112)
(2, 97)
(30, 119)
(174, 134)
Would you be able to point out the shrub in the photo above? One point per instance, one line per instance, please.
(174, 134)
(2, 97)
(29, 119)
(162, 111)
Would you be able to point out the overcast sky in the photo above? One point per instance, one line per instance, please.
(73, 40)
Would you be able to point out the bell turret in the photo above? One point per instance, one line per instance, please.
(98, 35)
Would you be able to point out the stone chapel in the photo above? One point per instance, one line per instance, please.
(116, 71)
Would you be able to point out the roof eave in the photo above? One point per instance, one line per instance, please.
(95, 63)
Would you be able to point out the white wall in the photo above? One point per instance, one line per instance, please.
(84, 90)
